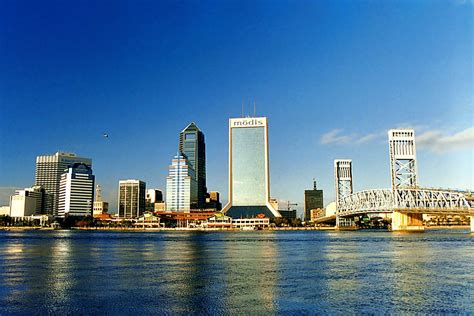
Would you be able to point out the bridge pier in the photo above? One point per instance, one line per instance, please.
(410, 222)
(345, 223)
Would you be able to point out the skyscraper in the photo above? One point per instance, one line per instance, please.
(49, 170)
(249, 177)
(131, 199)
(181, 185)
(193, 147)
(76, 191)
(313, 199)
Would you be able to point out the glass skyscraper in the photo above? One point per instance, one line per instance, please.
(180, 185)
(249, 179)
(193, 148)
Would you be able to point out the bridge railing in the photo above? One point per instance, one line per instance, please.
(387, 200)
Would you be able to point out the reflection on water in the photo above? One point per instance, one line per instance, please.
(70, 272)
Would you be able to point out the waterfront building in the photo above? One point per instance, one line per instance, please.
(193, 147)
(49, 169)
(213, 201)
(249, 176)
(76, 191)
(131, 199)
(100, 206)
(22, 205)
(30, 201)
(313, 199)
(181, 185)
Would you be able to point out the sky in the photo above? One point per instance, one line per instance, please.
(331, 76)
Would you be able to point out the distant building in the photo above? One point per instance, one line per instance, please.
(193, 147)
(76, 191)
(159, 207)
(30, 201)
(181, 185)
(213, 200)
(131, 199)
(22, 205)
(154, 196)
(313, 199)
(288, 214)
(100, 207)
(249, 176)
(49, 169)
(5, 210)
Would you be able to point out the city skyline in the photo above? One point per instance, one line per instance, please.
(312, 69)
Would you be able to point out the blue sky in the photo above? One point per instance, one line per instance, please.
(331, 76)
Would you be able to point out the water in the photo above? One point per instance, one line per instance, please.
(294, 272)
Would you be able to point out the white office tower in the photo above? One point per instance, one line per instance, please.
(76, 191)
(49, 170)
(181, 184)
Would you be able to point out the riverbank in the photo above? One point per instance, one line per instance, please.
(168, 229)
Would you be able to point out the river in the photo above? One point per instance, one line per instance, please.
(261, 272)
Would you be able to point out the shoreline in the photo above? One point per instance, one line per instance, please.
(165, 229)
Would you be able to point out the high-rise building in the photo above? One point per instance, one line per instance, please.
(49, 170)
(213, 200)
(131, 199)
(76, 191)
(313, 199)
(181, 185)
(100, 207)
(193, 147)
(249, 177)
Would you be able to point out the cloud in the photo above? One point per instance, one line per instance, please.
(335, 137)
(5, 193)
(436, 141)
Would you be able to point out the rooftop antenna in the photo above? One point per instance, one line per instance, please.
(314, 184)
(254, 107)
(242, 107)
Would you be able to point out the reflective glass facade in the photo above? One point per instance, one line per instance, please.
(249, 185)
(248, 166)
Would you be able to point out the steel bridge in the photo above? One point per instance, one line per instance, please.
(406, 200)
(421, 201)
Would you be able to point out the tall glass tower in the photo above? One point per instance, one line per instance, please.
(193, 148)
(249, 179)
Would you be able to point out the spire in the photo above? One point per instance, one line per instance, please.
(98, 193)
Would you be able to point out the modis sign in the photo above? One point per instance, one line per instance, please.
(248, 122)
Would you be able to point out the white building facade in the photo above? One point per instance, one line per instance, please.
(76, 191)
(181, 184)
(49, 169)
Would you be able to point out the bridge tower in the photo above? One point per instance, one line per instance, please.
(343, 182)
(404, 175)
